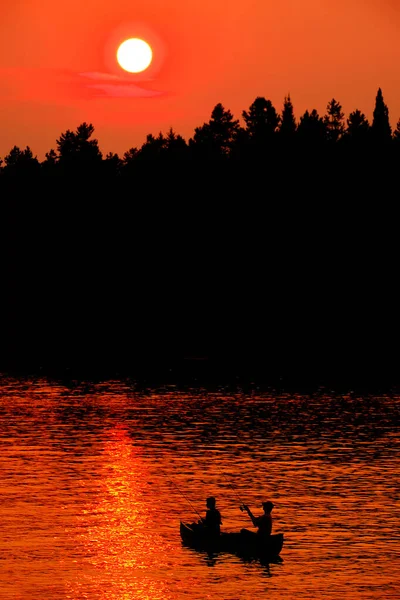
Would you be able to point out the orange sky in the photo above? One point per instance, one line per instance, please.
(57, 65)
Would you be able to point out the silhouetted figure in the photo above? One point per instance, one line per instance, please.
(263, 522)
(212, 520)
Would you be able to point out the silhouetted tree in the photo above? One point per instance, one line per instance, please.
(175, 146)
(216, 138)
(241, 147)
(153, 147)
(50, 164)
(396, 140)
(76, 149)
(288, 125)
(396, 133)
(67, 147)
(262, 122)
(311, 130)
(88, 149)
(21, 162)
(51, 157)
(113, 164)
(222, 137)
(381, 129)
(357, 125)
(334, 121)
(130, 156)
(129, 161)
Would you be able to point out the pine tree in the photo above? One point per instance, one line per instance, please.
(153, 147)
(216, 138)
(77, 149)
(176, 146)
(21, 161)
(129, 161)
(51, 158)
(381, 130)
(112, 164)
(311, 129)
(334, 121)
(396, 133)
(50, 164)
(288, 125)
(261, 120)
(358, 127)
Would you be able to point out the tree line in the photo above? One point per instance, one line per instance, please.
(104, 267)
(266, 134)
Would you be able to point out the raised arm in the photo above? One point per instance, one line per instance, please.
(252, 517)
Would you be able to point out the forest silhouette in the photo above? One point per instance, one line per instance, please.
(268, 248)
(266, 137)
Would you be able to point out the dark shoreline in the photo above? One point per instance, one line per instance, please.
(202, 372)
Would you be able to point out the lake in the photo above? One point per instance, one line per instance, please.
(96, 476)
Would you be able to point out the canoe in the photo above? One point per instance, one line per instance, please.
(245, 543)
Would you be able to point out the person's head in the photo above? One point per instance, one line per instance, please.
(267, 506)
(210, 502)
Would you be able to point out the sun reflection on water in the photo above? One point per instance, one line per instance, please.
(125, 554)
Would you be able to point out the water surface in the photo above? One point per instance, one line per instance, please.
(95, 477)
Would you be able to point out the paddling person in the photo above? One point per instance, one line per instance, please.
(263, 522)
(212, 521)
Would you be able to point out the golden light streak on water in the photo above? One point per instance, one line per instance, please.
(119, 532)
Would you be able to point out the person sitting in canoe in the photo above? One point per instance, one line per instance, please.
(212, 521)
(263, 522)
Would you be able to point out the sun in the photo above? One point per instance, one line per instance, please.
(134, 55)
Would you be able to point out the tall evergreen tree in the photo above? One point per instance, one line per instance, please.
(288, 125)
(381, 129)
(334, 121)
